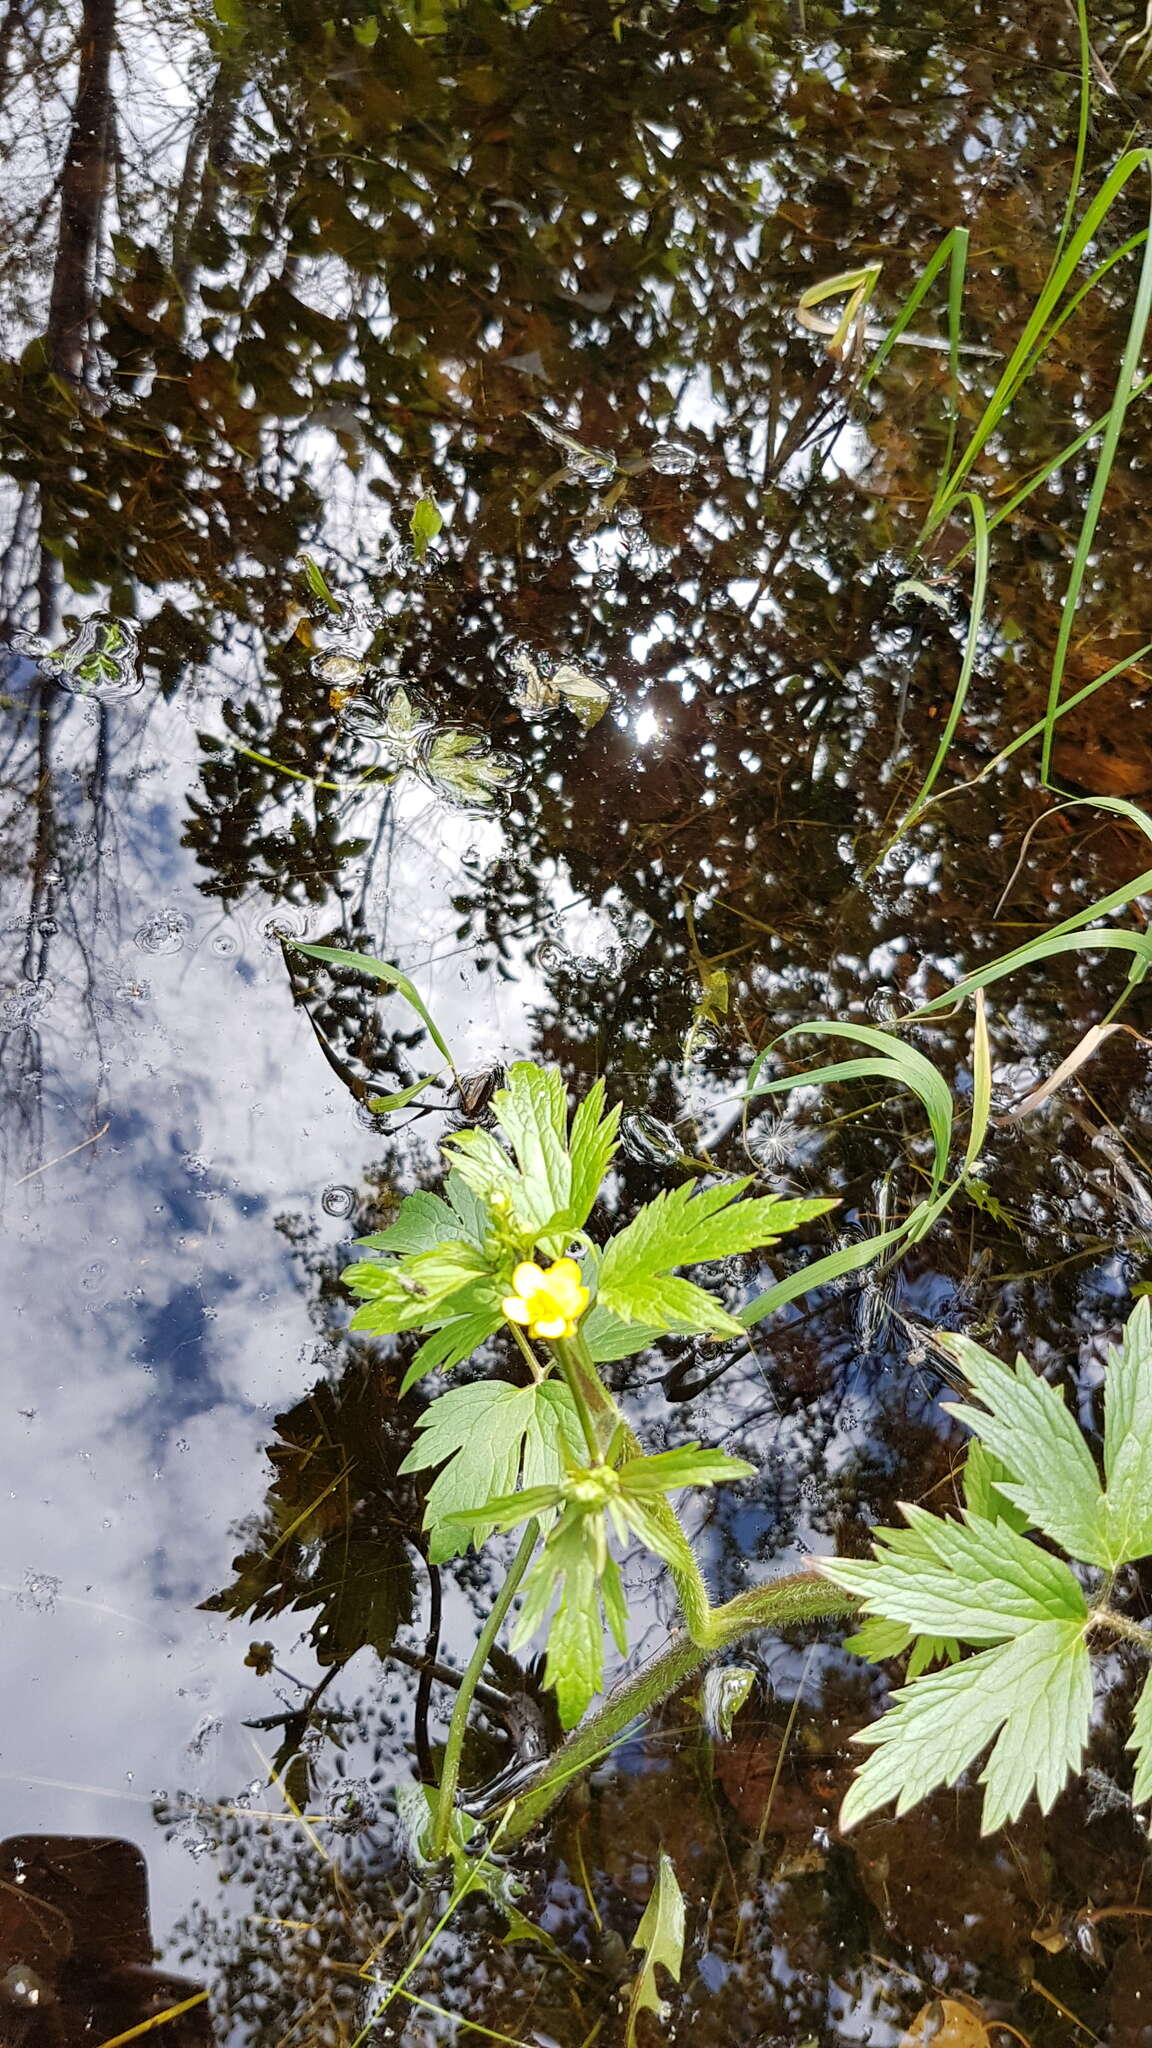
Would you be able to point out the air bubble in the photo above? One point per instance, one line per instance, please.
(225, 945)
(672, 458)
(287, 923)
(25, 1002)
(338, 1200)
(646, 1139)
(164, 933)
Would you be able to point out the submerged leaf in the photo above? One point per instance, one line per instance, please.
(660, 1938)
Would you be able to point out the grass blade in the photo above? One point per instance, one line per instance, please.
(1125, 382)
(981, 1084)
(380, 970)
(898, 1062)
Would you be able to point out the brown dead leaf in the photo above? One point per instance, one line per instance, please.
(947, 2023)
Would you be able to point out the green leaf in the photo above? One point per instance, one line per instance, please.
(550, 1186)
(974, 1580)
(983, 1478)
(666, 1471)
(461, 767)
(660, 1938)
(878, 1639)
(367, 31)
(609, 1338)
(405, 1294)
(481, 1435)
(380, 970)
(423, 1221)
(1140, 1741)
(1128, 1440)
(688, 1226)
(317, 582)
(1033, 1693)
(532, 1111)
(900, 1063)
(1026, 1425)
(981, 1084)
(570, 1562)
(931, 1650)
(383, 1105)
(426, 521)
(455, 1341)
(592, 1147)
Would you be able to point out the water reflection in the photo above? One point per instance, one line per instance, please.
(271, 279)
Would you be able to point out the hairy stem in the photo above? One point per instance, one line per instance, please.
(454, 1747)
(1119, 1625)
(600, 1414)
(802, 1596)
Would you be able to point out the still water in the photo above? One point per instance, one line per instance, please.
(272, 276)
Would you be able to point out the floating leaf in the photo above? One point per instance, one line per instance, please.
(535, 691)
(426, 521)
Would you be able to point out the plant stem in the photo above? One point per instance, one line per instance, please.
(454, 1747)
(1119, 1625)
(602, 1421)
(802, 1596)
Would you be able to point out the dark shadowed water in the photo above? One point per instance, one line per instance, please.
(268, 276)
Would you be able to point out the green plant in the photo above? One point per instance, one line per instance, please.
(985, 1582)
(506, 1247)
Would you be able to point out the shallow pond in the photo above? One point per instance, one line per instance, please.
(273, 277)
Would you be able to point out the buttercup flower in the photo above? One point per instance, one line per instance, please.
(550, 1303)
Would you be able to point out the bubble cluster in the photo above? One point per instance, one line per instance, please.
(165, 932)
(25, 1002)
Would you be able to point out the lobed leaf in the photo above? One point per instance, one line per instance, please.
(688, 1226)
(1034, 1694)
(660, 1937)
(1026, 1425)
(481, 1436)
(974, 1580)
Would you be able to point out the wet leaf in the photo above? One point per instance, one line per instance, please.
(426, 521)
(660, 1936)
(461, 767)
(946, 2023)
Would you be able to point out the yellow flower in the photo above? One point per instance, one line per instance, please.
(550, 1303)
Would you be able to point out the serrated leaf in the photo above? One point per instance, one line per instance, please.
(553, 1180)
(975, 1580)
(1140, 1741)
(688, 1226)
(450, 1345)
(660, 1938)
(413, 1293)
(1034, 1694)
(879, 1639)
(1026, 1425)
(461, 767)
(481, 1435)
(423, 1221)
(608, 1337)
(592, 1147)
(666, 1471)
(928, 1650)
(983, 1477)
(1128, 1439)
(569, 1564)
